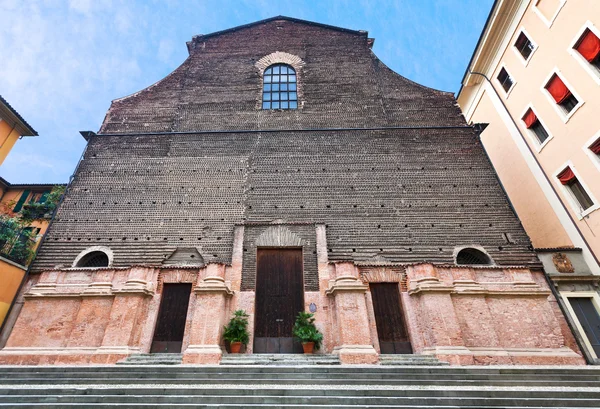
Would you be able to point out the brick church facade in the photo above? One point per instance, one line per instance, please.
(283, 167)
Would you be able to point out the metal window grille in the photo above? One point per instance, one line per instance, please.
(280, 88)
(94, 259)
(472, 257)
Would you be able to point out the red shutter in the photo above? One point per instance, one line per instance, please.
(596, 147)
(589, 46)
(566, 176)
(558, 89)
(529, 118)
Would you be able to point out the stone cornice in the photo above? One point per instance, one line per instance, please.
(346, 284)
(213, 285)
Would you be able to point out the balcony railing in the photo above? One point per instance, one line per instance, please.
(16, 244)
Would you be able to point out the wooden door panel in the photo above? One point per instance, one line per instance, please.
(589, 319)
(391, 331)
(279, 298)
(172, 313)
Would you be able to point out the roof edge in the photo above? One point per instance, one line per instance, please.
(18, 121)
(200, 37)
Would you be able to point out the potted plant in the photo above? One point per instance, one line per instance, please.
(236, 332)
(306, 331)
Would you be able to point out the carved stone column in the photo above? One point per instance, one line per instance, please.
(208, 318)
(348, 293)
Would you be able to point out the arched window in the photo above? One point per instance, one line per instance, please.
(471, 256)
(94, 259)
(280, 87)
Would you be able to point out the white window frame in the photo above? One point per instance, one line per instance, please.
(586, 148)
(514, 82)
(561, 112)
(589, 68)
(595, 301)
(519, 55)
(547, 22)
(536, 142)
(568, 194)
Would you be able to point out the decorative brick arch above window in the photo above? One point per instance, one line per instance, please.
(280, 57)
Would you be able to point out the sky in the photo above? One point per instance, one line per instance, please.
(64, 61)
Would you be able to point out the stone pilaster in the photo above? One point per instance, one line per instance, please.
(355, 345)
(208, 318)
(128, 312)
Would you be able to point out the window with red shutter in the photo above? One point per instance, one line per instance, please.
(569, 180)
(534, 125)
(589, 47)
(561, 94)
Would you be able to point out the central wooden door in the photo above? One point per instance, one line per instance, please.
(279, 299)
(391, 331)
(168, 335)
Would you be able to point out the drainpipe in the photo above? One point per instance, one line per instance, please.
(557, 296)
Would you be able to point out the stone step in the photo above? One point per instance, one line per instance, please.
(152, 359)
(314, 401)
(280, 359)
(310, 386)
(410, 359)
(8, 371)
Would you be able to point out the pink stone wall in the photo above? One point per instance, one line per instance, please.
(461, 315)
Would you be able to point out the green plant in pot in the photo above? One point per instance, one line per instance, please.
(236, 332)
(306, 331)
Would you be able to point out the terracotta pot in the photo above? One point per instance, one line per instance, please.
(308, 347)
(235, 347)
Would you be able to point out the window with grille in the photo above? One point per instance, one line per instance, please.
(505, 80)
(524, 46)
(280, 88)
(94, 259)
(471, 256)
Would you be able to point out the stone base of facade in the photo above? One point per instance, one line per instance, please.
(203, 354)
(357, 354)
(464, 316)
(64, 356)
(505, 356)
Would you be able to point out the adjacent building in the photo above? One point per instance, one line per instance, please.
(534, 81)
(282, 168)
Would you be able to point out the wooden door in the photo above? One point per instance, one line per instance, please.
(279, 299)
(391, 331)
(589, 319)
(168, 335)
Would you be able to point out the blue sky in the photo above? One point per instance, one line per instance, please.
(64, 61)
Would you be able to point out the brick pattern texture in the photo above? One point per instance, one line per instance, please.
(401, 195)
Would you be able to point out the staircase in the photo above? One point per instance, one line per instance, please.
(295, 387)
(410, 359)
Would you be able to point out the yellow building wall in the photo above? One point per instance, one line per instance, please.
(10, 280)
(8, 138)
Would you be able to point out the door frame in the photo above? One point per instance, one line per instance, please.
(403, 312)
(595, 301)
(157, 315)
(257, 248)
